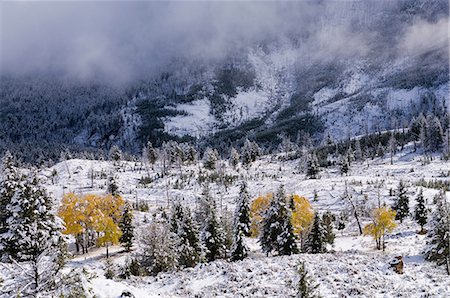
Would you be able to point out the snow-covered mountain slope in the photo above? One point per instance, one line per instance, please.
(352, 268)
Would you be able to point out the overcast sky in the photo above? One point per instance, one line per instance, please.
(125, 40)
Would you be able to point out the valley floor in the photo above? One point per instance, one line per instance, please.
(352, 268)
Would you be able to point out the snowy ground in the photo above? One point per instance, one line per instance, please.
(353, 268)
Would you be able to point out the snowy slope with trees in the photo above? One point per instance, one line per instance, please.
(348, 264)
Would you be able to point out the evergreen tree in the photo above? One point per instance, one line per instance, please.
(420, 214)
(277, 232)
(234, 157)
(312, 166)
(380, 150)
(358, 151)
(305, 285)
(115, 153)
(127, 228)
(239, 250)
(250, 152)
(242, 213)
(446, 144)
(210, 158)
(392, 147)
(401, 204)
(33, 240)
(438, 244)
(212, 237)
(327, 222)
(344, 165)
(350, 156)
(10, 184)
(434, 134)
(188, 242)
(112, 187)
(152, 154)
(316, 240)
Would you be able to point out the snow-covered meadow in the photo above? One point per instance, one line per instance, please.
(351, 268)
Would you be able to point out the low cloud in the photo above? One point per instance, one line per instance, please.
(123, 41)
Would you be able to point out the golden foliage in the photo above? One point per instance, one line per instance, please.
(302, 214)
(257, 209)
(383, 221)
(92, 213)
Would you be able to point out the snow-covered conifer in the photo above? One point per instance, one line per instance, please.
(401, 203)
(210, 158)
(234, 157)
(127, 228)
(34, 240)
(316, 240)
(242, 213)
(420, 213)
(438, 244)
(212, 237)
(312, 166)
(187, 232)
(306, 288)
(277, 231)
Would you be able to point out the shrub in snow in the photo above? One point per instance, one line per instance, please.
(158, 248)
(306, 288)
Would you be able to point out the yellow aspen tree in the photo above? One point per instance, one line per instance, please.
(383, 221)
(110, 233)
(73, 217)
(110, 212)
(257, 209)
(302, 216)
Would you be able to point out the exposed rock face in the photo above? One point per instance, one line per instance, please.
(397, 264)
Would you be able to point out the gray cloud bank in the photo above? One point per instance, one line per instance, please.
(122, 41)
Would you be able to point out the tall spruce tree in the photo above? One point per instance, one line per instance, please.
(316, 239)
(127, 228)
(234, 157)
(420, 212)
(277, 232)
(112, 187)
(186, 230)
(212, 237)
(242, 213)
(312, 166)
(401, 203)
(344, 165)
(438, 244)
(34, 240)
(10, 183)
(327, 223)
(210, 158)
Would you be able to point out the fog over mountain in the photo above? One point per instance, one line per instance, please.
(88, 75)
(122, 41)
